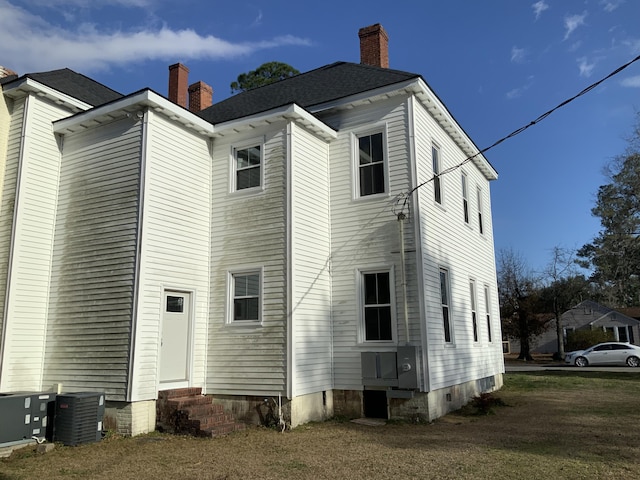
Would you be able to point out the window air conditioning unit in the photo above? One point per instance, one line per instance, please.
(78, 418)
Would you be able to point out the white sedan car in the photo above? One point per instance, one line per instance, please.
(609, 353)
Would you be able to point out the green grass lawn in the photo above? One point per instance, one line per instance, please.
(555, 425)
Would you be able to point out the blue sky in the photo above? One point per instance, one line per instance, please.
(496, 64)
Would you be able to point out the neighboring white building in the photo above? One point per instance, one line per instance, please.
(264, 246)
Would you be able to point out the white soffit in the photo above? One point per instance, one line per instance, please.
(131, 106)
(28, 85)
(291, 112)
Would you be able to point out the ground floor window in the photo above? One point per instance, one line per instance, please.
(377, 311)
(245, 296)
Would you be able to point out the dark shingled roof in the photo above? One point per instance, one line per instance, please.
(76, 85)
(325, 84)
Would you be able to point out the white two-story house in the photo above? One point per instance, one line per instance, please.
(326, 240)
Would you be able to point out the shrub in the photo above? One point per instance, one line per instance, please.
(582, 339)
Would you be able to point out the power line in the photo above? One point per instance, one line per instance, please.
(521, 129)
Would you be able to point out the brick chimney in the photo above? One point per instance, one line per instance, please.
(374, 46)
(178, 81)
(200, 96)
(6, 72)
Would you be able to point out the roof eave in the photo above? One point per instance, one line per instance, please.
(418, 87)
(132, 105)
(291, 112)
(26, 85)
(441, 114)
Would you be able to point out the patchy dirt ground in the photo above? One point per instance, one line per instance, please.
(569, 425)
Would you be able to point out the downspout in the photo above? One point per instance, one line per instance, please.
(403, 275)
(144, 119)
(12, 239)
(289, 259)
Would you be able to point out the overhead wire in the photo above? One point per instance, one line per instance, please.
(519, 130)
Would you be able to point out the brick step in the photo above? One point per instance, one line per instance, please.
(179, 392)
(185, 402)
(211, 421)
(203, 410)
(187, 411)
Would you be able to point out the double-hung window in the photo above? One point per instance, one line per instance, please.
(247, 166)
(474, 311)
(465, 199)
(487, 309)
(371, 165)
(445, 302)
(245, 296)
(377, 305)
(437, 186)
(480, 220)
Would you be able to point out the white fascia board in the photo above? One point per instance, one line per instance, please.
(22, 87)
(129, 106)
(291, 112)
(368, 96)
(433, 104)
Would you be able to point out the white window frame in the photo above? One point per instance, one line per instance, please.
(355, 156)
(436, 164)
(473, 304)
(231, 275)
(465, 198)
(481, 221)
(254, 142)
(447, 323)
(360, 286)
(487, 312)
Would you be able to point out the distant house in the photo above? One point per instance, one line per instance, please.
(588, 315)
(263, 246)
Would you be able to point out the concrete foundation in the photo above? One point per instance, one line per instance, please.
(130, 418)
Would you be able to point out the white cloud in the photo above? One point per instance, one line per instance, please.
(610, 5)
(633, 82)
(539, 7)
(519, 91)
(586, 68)
(517, 54)
(571, 22)
(29, 43)
(258, 20)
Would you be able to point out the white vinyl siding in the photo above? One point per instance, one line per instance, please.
(175, 245)
(365, 234)
(310, 264)
(8, 198)
(248, 230)
(447, 241)
(92, 283)
(33, 226)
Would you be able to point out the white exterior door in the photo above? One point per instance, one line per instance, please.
(176, 337)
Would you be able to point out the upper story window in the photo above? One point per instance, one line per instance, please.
(480, 219)
(245, 292)
(445, 302)
(247, 166)
(371, 164)
(377, 305)
(465, 199)
(437, 186)
(474, 312)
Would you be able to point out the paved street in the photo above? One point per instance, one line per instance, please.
(532, 367)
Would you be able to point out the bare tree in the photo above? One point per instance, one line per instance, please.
(519, 301)
(564, 288)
